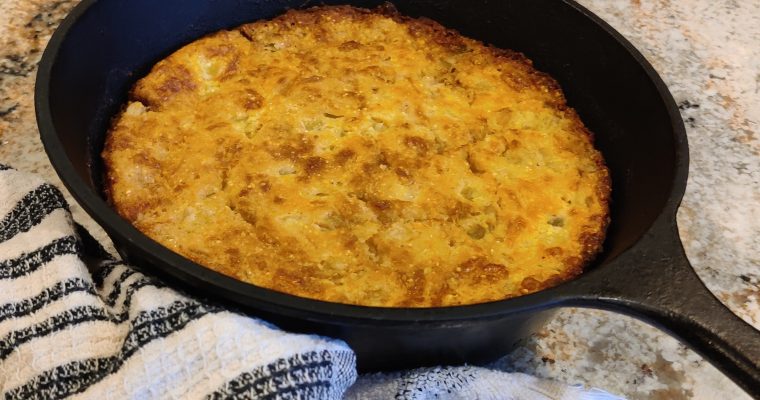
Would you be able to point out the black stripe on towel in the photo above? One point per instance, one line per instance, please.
(137, 285)
(29, 262)
(116, 291)
(30, 210)
(47, 296)
(314, 390)
(106, 268)
(65, 380)
(438, 380)
(303, 376)
(3, 167)
(75, 377)
(149, 325)
(68, 318)
(131, 289)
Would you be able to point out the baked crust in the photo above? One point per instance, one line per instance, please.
(360, 156)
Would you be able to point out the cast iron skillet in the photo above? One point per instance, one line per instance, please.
(104, 46)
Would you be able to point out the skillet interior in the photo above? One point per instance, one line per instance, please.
(103, 47)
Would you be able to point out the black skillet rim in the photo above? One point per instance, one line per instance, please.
(268, 300)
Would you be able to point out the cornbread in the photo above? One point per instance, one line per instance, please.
(362, 157)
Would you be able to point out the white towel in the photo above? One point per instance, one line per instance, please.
(116, 333)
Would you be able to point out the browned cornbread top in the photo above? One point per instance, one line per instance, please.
(360, 157)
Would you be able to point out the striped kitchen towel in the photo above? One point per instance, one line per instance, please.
(111, 332)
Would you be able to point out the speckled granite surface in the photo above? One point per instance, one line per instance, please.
(708, 52)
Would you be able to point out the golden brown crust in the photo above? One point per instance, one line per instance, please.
(360, 156)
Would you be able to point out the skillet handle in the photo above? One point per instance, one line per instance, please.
(655, 282)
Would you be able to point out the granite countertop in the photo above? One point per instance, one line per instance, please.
(706, 51)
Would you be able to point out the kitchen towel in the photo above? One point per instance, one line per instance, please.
(104, 330)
